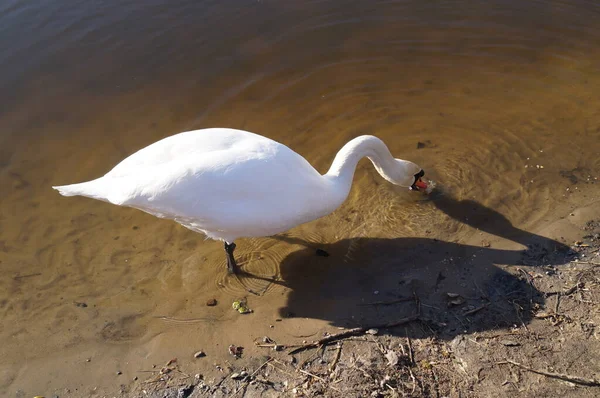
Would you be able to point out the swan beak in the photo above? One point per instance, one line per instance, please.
(419, 184)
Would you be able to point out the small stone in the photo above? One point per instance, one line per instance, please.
(456, 301)
(236, 376)
(135, 378)
(88, 360)
(271, 326)
(211, 302)
(199, 354)
(510, 343)
(243, 373)
(392, 358)
(376, 292)
(119, 373)
(372, 332)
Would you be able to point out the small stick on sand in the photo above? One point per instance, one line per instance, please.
(471, 312)
(337, 357)
(586, 262)
(352, 332)
(567, 292)
(320, 379)
(17, 277)
(561, 376)
(401, 300)
(410, 349)
(251, 376)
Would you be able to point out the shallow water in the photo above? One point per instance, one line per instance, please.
(503, 95)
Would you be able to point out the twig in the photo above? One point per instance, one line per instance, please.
(401, 300)
(319, 378)
(412, 376)
(561, 376)
(517, 308)
(567, 292)
(338, 352)
(276, 346)
(252, 375)
(310, 358)
(471, 312)
(410, 350)
(17, 277)
(352, 332)
(588, 262)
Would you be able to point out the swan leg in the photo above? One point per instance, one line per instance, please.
(232, 266)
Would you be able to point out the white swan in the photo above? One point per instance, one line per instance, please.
(230, 184)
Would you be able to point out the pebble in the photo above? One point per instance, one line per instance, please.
(211, 303)
(119, 373)
(199, 354)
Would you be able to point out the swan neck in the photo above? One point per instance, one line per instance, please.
(342, 169)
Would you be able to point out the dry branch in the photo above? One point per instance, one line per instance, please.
(352, 332)
(561, 376)
(400, 300)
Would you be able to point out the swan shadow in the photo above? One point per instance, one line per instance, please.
(363, 280)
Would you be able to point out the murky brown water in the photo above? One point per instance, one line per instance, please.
(503, 94)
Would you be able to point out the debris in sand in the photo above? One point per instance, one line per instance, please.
(474, 310)
(510, 343)
(236, 351)
(400, 300)
(211, 302)
(241, 307)
(561, 376)
(392, 358)
(351, 332)
(199, 354)
(456, 301)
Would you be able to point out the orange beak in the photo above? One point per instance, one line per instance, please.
(422, 185)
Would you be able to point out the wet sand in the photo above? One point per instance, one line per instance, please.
(503, 97)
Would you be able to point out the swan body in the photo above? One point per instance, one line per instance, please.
(229, 184)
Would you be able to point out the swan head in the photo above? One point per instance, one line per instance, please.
(407, 174)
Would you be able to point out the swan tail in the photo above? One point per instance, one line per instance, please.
(99, 189)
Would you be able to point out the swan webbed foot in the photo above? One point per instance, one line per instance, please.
(232, 266)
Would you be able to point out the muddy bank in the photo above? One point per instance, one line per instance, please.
(528, 330)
